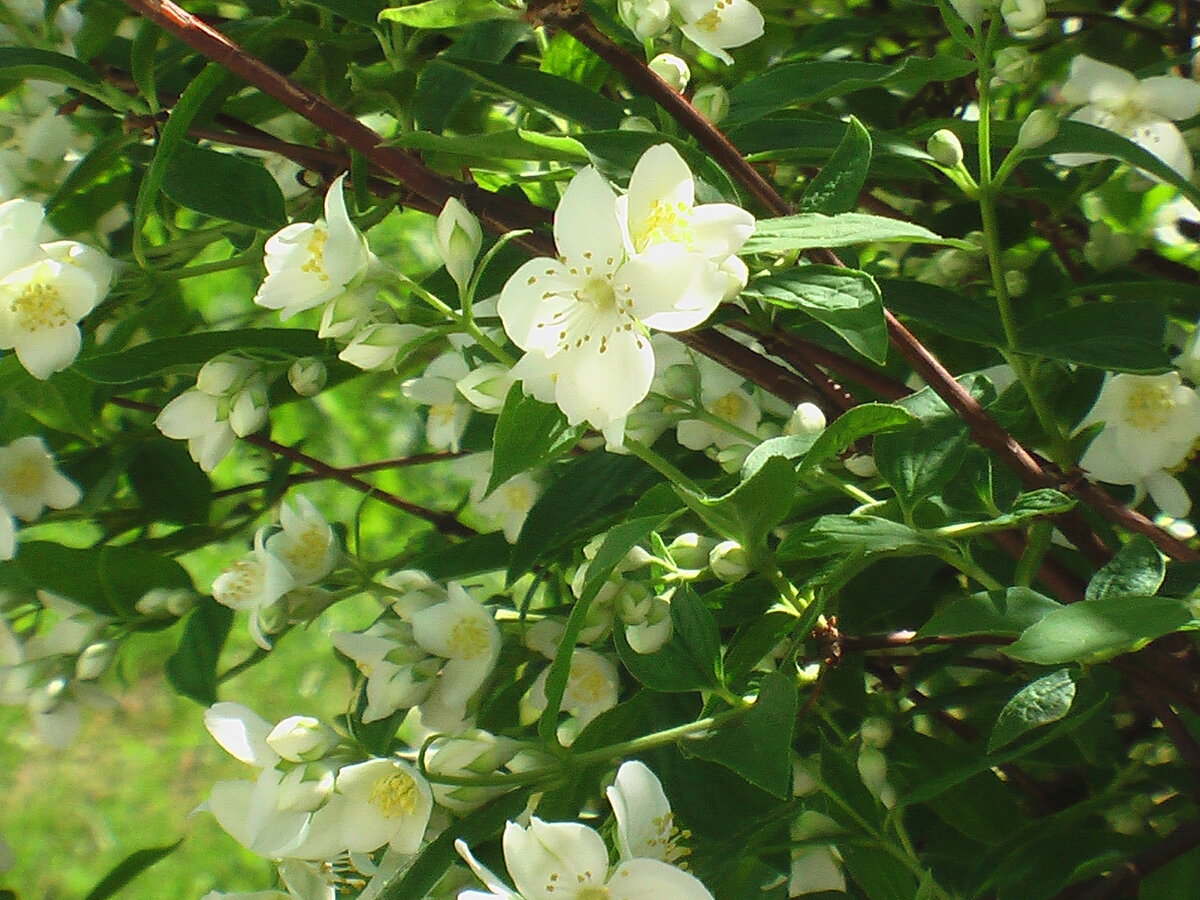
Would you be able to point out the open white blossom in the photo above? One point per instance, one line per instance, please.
(448, 410)
(1142, 110)
(583, 319)
(229, 401)
(592, 687)
(568, 861)
(645, 824)
(305, 543)
(1151, 424)
(30, 482)
(255, 583)
(310, 263)
(399, 674)
(718, 25)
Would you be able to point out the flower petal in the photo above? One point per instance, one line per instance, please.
(599, 382)
(1170, 96)
(586, 230)
(547, 853)
(535, 300)
(1092, 81)
(650, 879)
(672, 288)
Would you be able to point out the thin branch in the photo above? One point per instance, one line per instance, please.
(753, 367)
(444, 522)
(401, 462)
(1124, 879)
(852, 643)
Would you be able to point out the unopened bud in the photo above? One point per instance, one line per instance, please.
(458, 236)
(729, 561)
(712, 102)
(249, 408)
(945, 148)
(647, 19)
(861, 465)
(690, 551)
(301, 739)
(307, 376)
(637, 123)
(673, 70)
(222, 375)
(1023, 15)
(486, 387)
(1014, 65)
(48, 696)
(1041, 126)
(682, 381)
(94, 659)
(377, 346)
(806, 419)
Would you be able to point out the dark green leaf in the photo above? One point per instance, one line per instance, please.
(225, 186)
(539, 90)
(948, 312)
(168, 483)
(1138, 568)
(837, 535)
(859, 422)
(846, 300)
(528, 433)
(689, 661)
(749, 512)
(1039, 703)
(128, 869)
(45, 65)
(1117, 337)
(500, 145)
(192, 668)
(1007, 612)
(836, 187)
(447, 13)
(361, 12)
(757, 746)
(440, 87)
(192, 350)
(804, 231)
(1028, 506)
(1098, 630)
(479, 553)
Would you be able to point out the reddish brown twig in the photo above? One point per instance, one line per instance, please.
(444, 522)
(401, 462)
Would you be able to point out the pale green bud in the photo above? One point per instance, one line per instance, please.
(712, 102)
(307, 376)
(875, 732)
(637, 123)
(94, 659)
(301, 739)
(1016, 282)
(729, 561)
(673, 70)
(681, 380)
(862, 466)
(222, 375)
(48, 696)
(1023, 15)
(248, 408)
(806, 419)
(945, 148)
(1040, 127)
(690, 551)
(458, 236)
(1014, 65)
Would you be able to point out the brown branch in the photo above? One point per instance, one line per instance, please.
(853, 643)
(444, 522)
(750, 365)
(417, 459)
(1123, 880)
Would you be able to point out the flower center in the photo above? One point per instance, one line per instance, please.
(599, 293)
(1148, 406)
(592, 892)
(468, 639)
(315, 263)
(38, 306)
(307, 551)
(667, 222)
(728, 407)
(240, 583)
(589, 686)
(394, 795)
(711, 19)
(24, 478)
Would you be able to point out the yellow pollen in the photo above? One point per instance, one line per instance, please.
(23, 478)
(315, 264)
(728, 407)
(589, 686)
(394, 795)
(442, 413)
(308, 549)
(38, 306)
(599, 293)
(244, 582)
(1148, 406)
(468, 639)
(592, 892)
(711, 20)
(666, 221)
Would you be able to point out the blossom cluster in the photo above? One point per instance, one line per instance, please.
(714, 26)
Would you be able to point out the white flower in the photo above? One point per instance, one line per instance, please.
(399, 674)
(198, 418)
(647, 19)
(437, 388)
(377, 802)
(29, 481)
(242, 733)
(568, 861)
(272, 816)
(8, 534)
(1169, 216)
(255, 583)
(458, 237)
(1151, 424)
(735, 407)
(592, 687)
(583, 318)
(717, 25)
(309, 264)
(377, 346)
(645, 824)
(301, 739)
(1142, 111)
(473, 752)
(305, 544)
(41, 304)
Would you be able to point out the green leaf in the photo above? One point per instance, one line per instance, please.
(225, 186)
(757, 746)
(192, 668)
(191, 350)
(858, 422)
(616, 544)
(837, 535)
(1094, 631)
(477, 554)
(440, 87)
(1039, 703)
(836, 187)
(361, 12)
(128, 869)
(500, 145)
(846, 300)
(1117, 337)
(45, 65)
(168, 483)
(948, 312)
(1007, 612)
(528, 433)
(689, 661)
(806, 231)
(447, 13)
(1080, 137)
(1027, 506)
(749, 512)
(539, 90)
(586, 486)
(1138, 568)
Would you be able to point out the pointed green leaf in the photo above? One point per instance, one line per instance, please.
(1138, 568)
(447, 13)
(1094, 631)
(1039, 703)
(836, 187)
(804, 231)
(689, 661)
(528, 433)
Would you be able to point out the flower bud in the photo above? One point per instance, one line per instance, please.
(681, 380)
(875, 732)
(637, 123)
(1023, 15)
(222, 375)
(861, 465)
(1040, 127)
(729, 561)
(633, 602)
(486, 387)
(376, 347)
(712, 102)
(94, 659)
(731, 459)
(690, 551)
(673, 70)
(971, 11)
(165, 601)
(458, 237)
(48, 696)
(1014, 65)
(945, 148)
(649, 635)
(307, 376)
(1107, 249)
(647, 19)
(1016, 282)
(249, 408)
(301, 739)
(806, 419)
